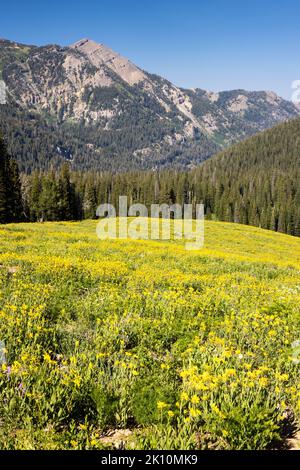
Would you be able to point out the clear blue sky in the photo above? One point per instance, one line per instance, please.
(211, 44)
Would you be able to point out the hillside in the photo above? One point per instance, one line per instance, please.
(256, 182)
(88, 105)
(103, 344)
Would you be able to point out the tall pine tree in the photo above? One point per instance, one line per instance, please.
(10, 188)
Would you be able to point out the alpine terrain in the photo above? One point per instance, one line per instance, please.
(92, 107)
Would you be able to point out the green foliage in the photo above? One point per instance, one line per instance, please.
(147, 393)
(106, 404)
(248, 426)
(162, 437)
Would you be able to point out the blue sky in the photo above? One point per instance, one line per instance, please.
(211, 44)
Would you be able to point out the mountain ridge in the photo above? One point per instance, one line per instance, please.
(92, 103)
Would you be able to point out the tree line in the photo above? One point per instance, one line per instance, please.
(253, 183)
(268, 202)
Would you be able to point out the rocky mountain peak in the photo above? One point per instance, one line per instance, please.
(86, 45)
(100, 55)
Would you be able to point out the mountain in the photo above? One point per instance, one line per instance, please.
(88, 105)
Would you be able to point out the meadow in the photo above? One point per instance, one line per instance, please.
(144, 345)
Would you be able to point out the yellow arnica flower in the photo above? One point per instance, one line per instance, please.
(47, 358)
(161, 405)
(184, 396)
(195, 400)
(263, 381)
(77, 381)
(282, 377)
(194, 413)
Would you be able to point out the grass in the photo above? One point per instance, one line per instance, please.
(183, 349)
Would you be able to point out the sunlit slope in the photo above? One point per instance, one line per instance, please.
(222, 240)
(173, 344)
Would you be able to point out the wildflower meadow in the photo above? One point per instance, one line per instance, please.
(144, 344)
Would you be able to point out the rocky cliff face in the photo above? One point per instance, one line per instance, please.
(94, 107)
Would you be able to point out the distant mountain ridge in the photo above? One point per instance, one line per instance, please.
(91, 106)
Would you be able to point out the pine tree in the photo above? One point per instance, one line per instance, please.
(66, 195)
(3, 183)
(14, 196)
(90, 201)
(34, 197)
(10, 188)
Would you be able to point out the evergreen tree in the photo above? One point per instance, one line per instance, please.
(66, 195)
(90, 201)
(14, 196)
(3, 182)
(10, 188)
